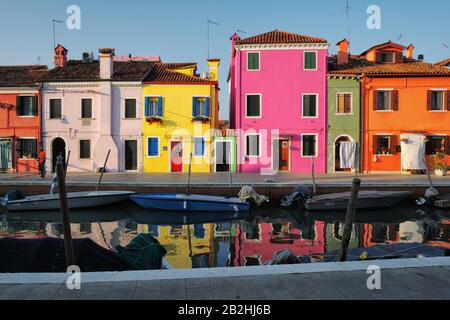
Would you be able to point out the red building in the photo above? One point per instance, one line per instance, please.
(20, 117)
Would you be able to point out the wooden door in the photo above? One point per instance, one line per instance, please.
(5, 155)
(131, 155)
(176, 156)
(284, 155)
(223, 156)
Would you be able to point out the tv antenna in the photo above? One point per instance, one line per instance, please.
(54, 31)
(241, 31)
(208, 24)
(347, 9)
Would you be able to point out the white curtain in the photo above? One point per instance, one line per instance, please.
(348, 155)
(413, 151)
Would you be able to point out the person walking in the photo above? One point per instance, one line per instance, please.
(41, 159)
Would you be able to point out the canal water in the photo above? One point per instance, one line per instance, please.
(221, 240)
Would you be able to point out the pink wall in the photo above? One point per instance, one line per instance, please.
(281, 83)
(264, 248)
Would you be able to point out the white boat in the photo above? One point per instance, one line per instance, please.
(75, 200)
(366, 200)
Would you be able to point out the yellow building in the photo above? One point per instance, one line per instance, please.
(184, 243)
(180, 113)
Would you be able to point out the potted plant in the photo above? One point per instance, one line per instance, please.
(154, 119)
(202, 119)
(440, 167)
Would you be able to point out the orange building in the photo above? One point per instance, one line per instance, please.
(400, 95)
(20, 117)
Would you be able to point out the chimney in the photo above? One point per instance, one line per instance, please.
(213, 65)
(234, 38)
(106, 56)
(343, 54)
(60, 58)
(410, 52)
(420, 57)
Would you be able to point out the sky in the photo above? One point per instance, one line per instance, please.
(176, 29)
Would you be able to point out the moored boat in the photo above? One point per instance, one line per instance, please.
(366, 200)
(190, 202)
(75, 200)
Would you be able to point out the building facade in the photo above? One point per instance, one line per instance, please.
(344, 113)
(20, 112)
(181, 111)
(278, 84)
(92, 108)
(400, 96)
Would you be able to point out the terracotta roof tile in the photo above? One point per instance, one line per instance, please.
(21, 75)
(163, 72)
(77, 70)
(444, 63)
(280, 37)
(360, 66)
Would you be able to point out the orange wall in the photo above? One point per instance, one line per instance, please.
(412, 116)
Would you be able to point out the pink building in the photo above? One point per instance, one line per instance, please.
(278, 101)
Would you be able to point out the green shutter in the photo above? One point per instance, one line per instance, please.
(310, 60)
(253, 61)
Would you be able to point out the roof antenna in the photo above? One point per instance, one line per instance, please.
(208, 23)
(347, 8)
(54, 31)
(241, 31)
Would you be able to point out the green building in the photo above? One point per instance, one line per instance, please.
(344, 117)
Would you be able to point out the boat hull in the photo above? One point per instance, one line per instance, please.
(366, 200)
(197, 203)
(75, 200)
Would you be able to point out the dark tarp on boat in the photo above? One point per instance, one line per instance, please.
(47, 255)
(143, 253)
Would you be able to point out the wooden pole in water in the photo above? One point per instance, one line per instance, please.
(313, 175)
(103, 170)
(68, 245)
(350, 218)
(189, 175)
(67, 164)
(231, 175)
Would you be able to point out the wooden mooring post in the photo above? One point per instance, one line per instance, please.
(68, 244)
(350, 218)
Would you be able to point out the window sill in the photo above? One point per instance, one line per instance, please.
(438, 111)
(27, 159)
(384, 111)
(28, 116)
(384, 155)
(344, 114)
(316, 117)
(92, 119)
(130, 118)
(310, 69)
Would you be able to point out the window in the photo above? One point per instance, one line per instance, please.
(55, 109)
(384, 145)
(199, 147)
(436, 144)
(310, 62)
(26, 106)
(344, 103)
(309, 105)
(436, 101)
(153, 106)
(130, 108)
(253, 109)
(387, 57)
(86, 108)
(201, 107)
(253, 145)
(26, 148)
(253, 61)
(85, 149)
(153, 147)
(309, 145)
(386, 100)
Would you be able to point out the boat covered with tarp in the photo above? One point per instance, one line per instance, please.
(47, 255)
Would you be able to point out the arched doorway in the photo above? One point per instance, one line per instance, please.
(58, 148)
(337, 153)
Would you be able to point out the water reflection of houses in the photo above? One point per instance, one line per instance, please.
(257, 242)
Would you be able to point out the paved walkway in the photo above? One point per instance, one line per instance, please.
(396, 284)
(421, 279)
(215, 179)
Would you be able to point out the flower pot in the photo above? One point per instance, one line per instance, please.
(440, 172)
